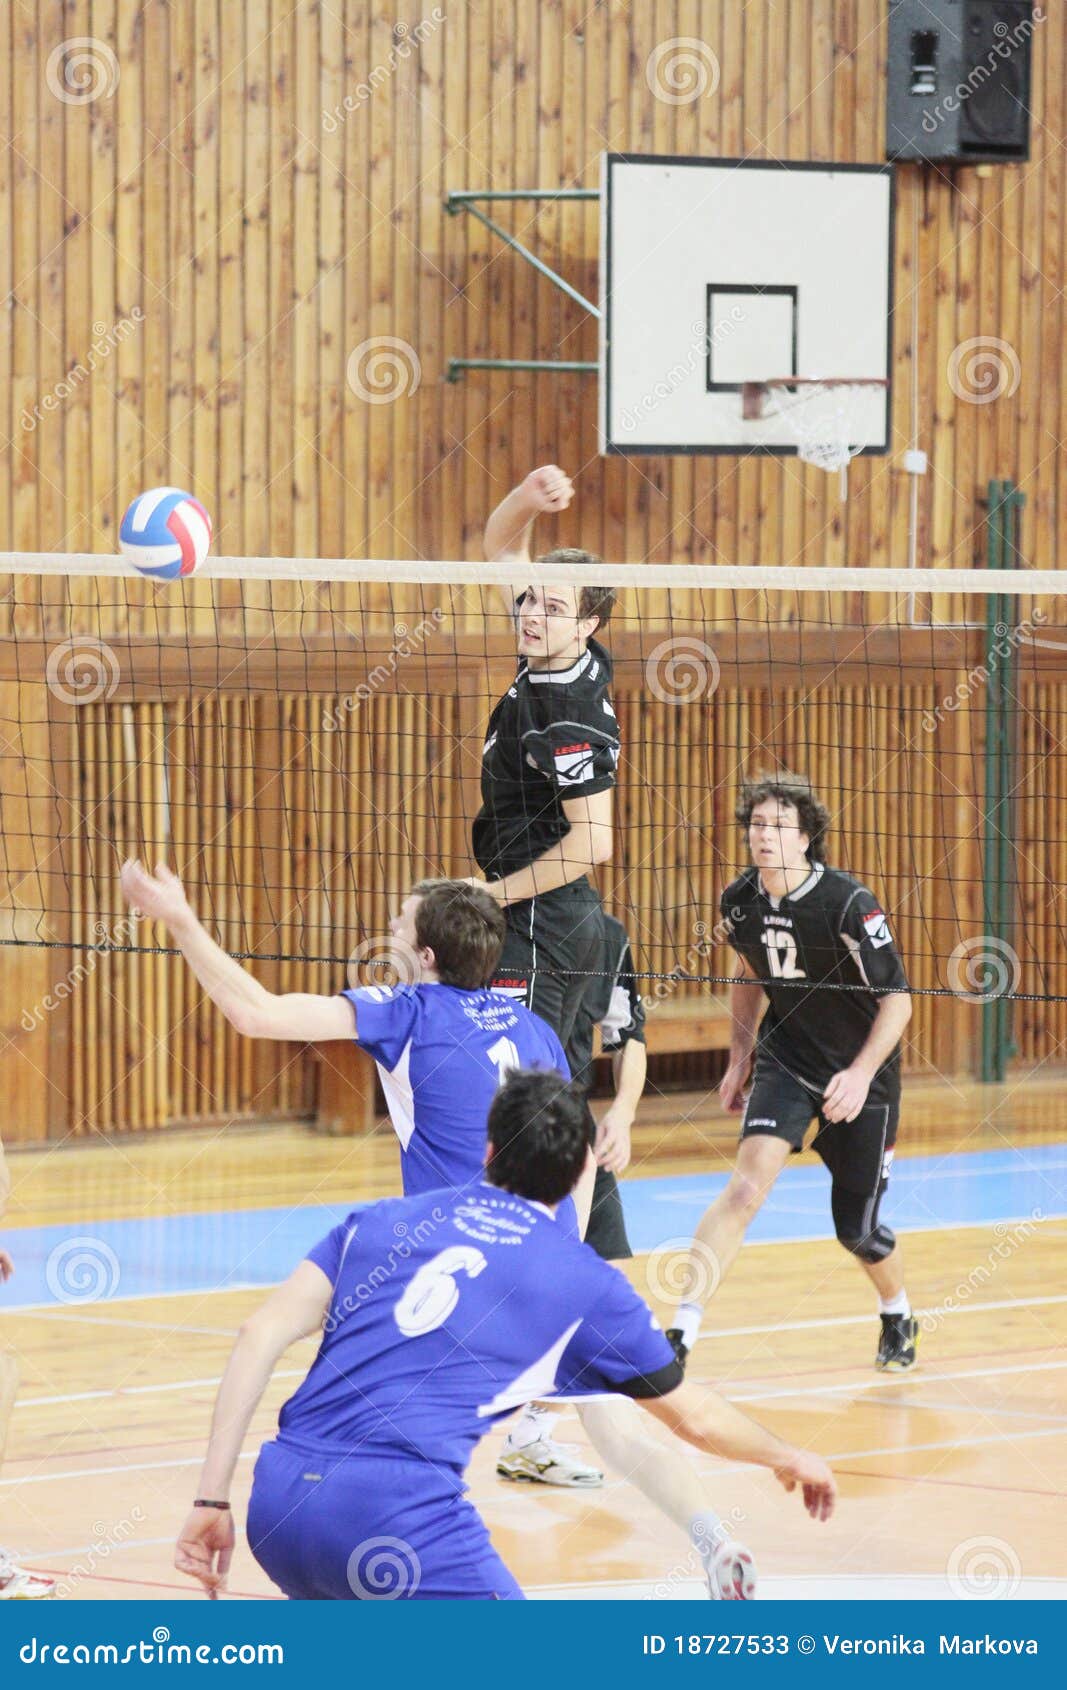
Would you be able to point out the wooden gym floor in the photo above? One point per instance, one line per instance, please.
(952, 1478)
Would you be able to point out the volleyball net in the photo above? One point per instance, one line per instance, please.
(301, 740)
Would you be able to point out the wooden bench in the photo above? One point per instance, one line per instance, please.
(347, 1080)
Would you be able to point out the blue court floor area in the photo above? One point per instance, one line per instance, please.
(228, 1250)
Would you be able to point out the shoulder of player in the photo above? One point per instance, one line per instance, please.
(740, 890)
(840, 889)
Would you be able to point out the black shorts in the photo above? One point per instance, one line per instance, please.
(857, 1153)
(552, 946)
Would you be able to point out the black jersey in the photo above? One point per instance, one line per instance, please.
(552, 737)
(830, 931)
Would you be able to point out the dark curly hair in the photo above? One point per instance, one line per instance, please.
(537, 1136)
(789, 788)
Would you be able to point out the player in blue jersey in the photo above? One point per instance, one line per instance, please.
(441, 1045)
(438, 1315)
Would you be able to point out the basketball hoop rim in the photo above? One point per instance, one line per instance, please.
(753, 393)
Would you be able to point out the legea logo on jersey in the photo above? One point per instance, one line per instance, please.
(574, 763)
(876, 928)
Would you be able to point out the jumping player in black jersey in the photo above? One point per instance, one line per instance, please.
(548, 770)
(829, 1055)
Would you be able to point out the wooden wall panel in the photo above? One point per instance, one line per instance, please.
(191, 254)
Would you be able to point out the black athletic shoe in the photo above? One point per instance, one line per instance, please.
(680, 1348)
(896, 1348)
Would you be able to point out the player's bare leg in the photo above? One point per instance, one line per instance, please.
(664, 1474)
(718, 1238)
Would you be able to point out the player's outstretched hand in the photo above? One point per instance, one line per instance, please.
(549, 488)
(159, 896)
(732, 1087)
(846, 1094)
(815, 1479)
(205, 1548)
(7, 1267)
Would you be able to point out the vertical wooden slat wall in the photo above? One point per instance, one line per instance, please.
(191, 259)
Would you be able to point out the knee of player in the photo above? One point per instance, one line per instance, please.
(744, 1195)
(873, 1246)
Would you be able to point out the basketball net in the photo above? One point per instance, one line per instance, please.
(825, 420)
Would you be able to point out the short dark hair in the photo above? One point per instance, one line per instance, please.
(464, 928)
(538, 1136)
(789, 788)
(592, 601)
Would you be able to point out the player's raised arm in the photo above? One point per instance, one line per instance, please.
(245, 1002)
(587, 844)
(509, 528)
(704, 1418)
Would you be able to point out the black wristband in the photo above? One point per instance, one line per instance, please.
(202, 1503)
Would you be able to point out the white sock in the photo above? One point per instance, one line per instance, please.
(707, 1534)
(895, 1305)
(534, 1422)
(687, 1321)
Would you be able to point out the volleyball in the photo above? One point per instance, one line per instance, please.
(165, 533)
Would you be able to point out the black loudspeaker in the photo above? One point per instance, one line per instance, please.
(959, 80)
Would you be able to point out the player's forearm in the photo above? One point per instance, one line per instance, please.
(711, 1423)
(894, 1013)
(509, 529)
(746, 1006)
(629, 1067)
(247, 1375)
(239, 996)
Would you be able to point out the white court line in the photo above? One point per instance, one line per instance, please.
(802, 1179)
(68, 1311)
(887, 1380)
(724, 1332)
(863, 1319)
(144, 1390)
(722, 1467)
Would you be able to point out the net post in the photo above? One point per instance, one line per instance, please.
(1002, 552)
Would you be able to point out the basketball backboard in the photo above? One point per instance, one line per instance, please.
(717, 272)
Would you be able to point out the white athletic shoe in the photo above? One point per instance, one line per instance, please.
(545, 1462)
(731, 1574)
(17, 1585)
